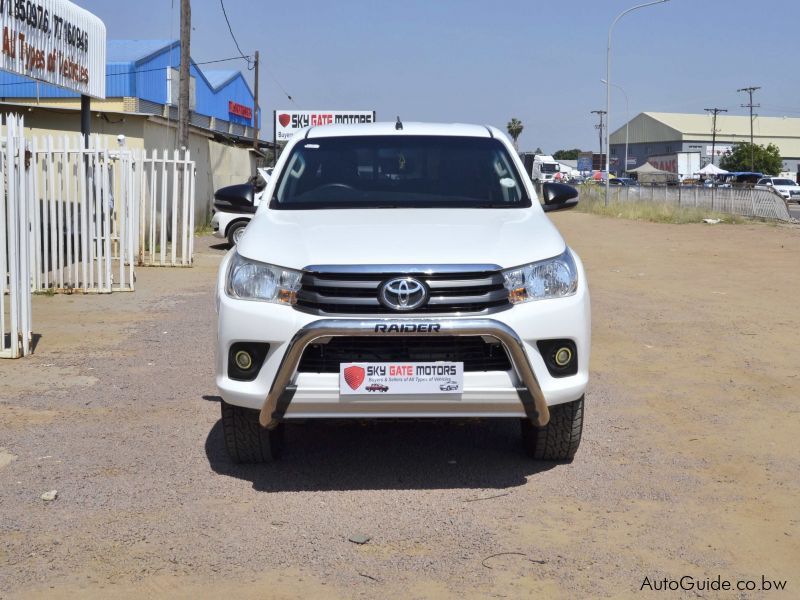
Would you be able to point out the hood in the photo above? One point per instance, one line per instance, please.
(299, 238)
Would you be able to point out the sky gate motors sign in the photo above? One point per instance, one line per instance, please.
(56, 42)
(289, 121)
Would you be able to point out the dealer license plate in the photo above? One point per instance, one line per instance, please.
(387, 378)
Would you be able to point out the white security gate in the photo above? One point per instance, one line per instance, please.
(75, 219)
(166, 209)
(15, 264)
(83, 216)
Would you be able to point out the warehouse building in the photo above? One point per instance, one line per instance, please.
(142, 104)
(655, 135)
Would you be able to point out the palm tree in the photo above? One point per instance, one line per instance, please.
(515, 128)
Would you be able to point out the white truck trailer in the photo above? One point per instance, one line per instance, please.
(685, 164)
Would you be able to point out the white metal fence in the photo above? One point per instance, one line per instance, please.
(747, 202)
(15, 258)
(166, 209)
(83, 216)
(75, 219)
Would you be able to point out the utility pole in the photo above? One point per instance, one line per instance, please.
(751, 106)
(600, 127)
(86, 118)
(714, 112)
(183, 92)
(255, 108)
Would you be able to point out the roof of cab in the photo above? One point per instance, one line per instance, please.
(409, 128)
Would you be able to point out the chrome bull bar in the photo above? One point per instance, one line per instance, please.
(280, 393)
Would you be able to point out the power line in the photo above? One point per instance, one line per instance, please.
(251, 66)
(225, 14)
(278, 83)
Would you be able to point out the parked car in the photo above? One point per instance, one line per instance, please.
(787, 188)
(740, 179)
(623, 181)
(234, 206)
(364, 251)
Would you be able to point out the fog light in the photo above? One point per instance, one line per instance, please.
(243, 360)
(563, 356)
(560, 356)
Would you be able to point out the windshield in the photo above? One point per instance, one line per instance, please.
(549, 168)
(399, 172)
(783, 182)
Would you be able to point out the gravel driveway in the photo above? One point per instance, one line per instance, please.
(689, 464)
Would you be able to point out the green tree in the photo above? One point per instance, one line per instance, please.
(538, 150)
(515, 128)
(765, 159)
(567, 154)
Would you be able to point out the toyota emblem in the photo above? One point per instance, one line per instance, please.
(403, 293)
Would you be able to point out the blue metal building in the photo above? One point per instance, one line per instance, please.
(144, 74)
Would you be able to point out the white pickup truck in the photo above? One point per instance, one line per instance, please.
(402, 270)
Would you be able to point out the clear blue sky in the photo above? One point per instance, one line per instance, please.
(485, 62)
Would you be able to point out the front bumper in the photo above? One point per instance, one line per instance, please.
(281, 391)
(216, 228)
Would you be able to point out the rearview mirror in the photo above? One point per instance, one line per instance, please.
(558, 196)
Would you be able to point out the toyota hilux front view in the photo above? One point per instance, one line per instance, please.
(414, 259)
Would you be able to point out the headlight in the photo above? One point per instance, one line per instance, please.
(251, 280)
(552, 278)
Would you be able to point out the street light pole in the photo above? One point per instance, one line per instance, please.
(608, 83)
(627, 122)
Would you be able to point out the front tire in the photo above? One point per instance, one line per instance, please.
(560, 438)
(235, 232)
(245, 439)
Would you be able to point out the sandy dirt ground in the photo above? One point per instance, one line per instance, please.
(689, 464)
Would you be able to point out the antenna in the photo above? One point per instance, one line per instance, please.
(399, 125)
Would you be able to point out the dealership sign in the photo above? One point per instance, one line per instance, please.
(289, 121)
(240, 110)
(56, 42)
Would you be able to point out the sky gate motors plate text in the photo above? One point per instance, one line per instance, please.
(417, 378)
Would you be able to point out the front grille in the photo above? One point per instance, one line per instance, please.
(473, 293)
(473, 351)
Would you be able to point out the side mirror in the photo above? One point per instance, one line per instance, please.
(558, 196)
(235, 198)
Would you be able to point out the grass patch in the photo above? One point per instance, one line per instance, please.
(654, 212)
(204, 229)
